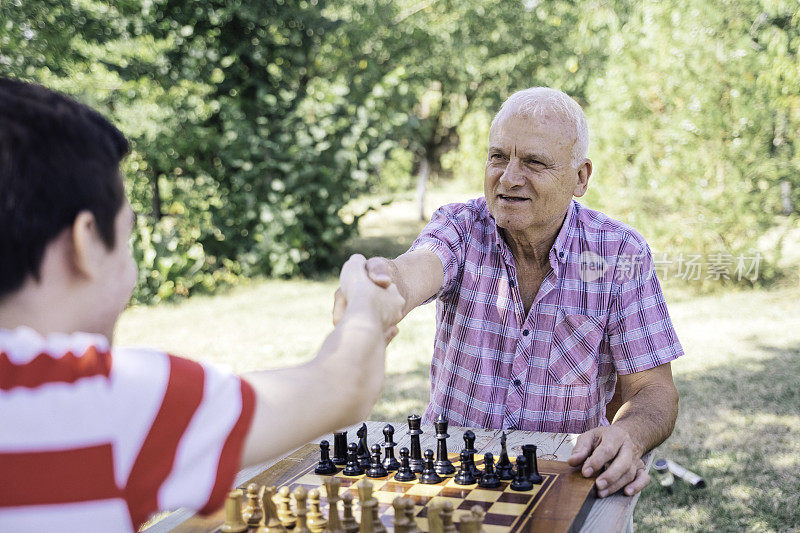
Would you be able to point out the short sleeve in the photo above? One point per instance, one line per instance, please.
(640, 332)
(192, 450)
(444, 236)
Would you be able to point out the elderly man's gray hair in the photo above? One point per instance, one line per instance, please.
(538, 101)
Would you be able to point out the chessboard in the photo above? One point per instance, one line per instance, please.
(560, 503)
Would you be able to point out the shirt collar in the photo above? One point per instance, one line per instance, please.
(23, 344)
(561, 245)
(560, 249)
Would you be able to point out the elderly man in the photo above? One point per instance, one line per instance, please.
(549, 315)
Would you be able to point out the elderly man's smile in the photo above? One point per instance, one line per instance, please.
(512, 200)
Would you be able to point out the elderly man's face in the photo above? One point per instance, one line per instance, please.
(529, 178)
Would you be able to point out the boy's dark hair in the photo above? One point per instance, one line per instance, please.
(58, 157)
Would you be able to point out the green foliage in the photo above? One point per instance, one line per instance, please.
(254, 125)
(695, 122)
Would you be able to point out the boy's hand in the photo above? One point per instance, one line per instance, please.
(375, 292)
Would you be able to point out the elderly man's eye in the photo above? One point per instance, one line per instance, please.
(496, 156)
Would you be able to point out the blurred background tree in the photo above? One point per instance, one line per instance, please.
(254, 125)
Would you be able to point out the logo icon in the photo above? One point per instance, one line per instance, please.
(592, 266)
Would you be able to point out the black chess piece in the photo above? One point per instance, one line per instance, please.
(325, 466)
(504, 468)
(429, 475)
(521, 482)
(442, 465)
(376, 469)
(390, 463)
(529, 451)
(464, 476)
(363, 447)
(340, 448)
(404, 473)
(469, 447)
(489, 479)
(416, 462)
(353, 467)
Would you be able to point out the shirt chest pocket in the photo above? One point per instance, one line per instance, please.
(574, 349)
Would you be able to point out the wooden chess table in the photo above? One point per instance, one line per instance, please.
(564, 502)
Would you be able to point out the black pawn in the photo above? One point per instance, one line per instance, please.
(443, 466)
(521, 481)
(340, 448)
(404, 473)
(489, 480)
(325, 466)
(529, 451)
(414, 425)
(429, 475)
(389, 461)
(376, 469)
(504, 468)
(363, 447)
(353, 467)
(469, 447)
(465, 475)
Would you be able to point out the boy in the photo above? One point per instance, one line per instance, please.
(98, 438)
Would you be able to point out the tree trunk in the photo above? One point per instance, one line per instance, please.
(422, 183)
(156, 200)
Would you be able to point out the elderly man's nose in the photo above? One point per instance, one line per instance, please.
(512, 175)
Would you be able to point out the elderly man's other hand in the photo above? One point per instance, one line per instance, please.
(378, 271)
(612, 447)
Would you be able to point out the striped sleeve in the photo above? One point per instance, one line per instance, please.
(191, 453)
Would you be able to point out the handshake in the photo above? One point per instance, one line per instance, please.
(367, 293)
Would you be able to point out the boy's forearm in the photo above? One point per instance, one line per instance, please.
(335, 389)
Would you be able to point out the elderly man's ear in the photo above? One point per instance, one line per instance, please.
(584, 173)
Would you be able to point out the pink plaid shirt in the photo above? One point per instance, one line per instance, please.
(599, 312)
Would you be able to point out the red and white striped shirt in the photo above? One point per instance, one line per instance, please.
(94, 439)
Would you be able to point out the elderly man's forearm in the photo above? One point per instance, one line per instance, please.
(649, 416)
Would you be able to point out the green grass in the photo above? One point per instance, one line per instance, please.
(739, 422)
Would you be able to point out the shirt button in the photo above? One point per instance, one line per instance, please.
(517, 383)
(525, 332)
(512, 283)
(560, 254)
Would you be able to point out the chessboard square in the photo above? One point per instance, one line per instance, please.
(517, 497)
(469, 504)
(454, 492)
(347, 481)
(422, 524)
(452, 483)
(455, 502)
(396, 487)
(419, 500)
(515, 509)
(424, 490)
(494, 529)
(383, 508)
(309, 479)
(385, 497)
(494, 519)
(293, 486)
(459, 513)
(377, 484)
(484, 495)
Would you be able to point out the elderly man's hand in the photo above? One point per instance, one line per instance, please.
(377, 270)
(363, 279)
(611, 446)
